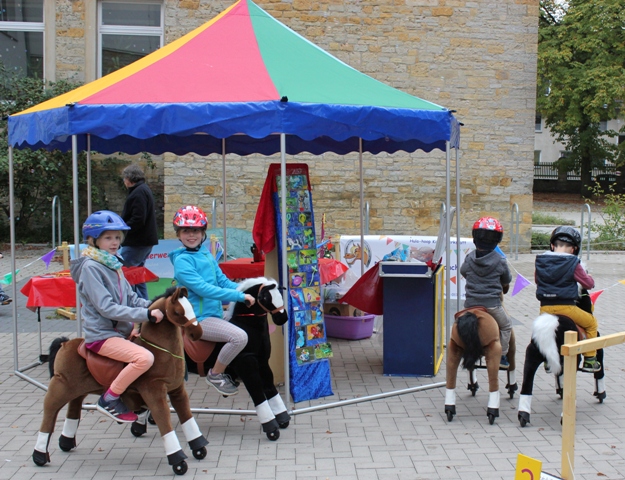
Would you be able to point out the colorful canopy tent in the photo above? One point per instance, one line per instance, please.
(242, 83)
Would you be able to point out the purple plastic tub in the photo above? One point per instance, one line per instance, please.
(349, 328)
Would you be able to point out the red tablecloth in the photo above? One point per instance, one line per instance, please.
(329, 269)
(59, 290)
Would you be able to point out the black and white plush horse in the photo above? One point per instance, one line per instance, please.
(251, 366)
(547, 338)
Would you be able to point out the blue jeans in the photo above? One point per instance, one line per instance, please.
(135, 257)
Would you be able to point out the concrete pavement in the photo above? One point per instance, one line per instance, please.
(401, 437)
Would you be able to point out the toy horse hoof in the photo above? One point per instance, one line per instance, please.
(180, 468)
(473, 387)
(138, 429)
(600, 396)
(199, 453)
(511, 389)
(67, 443)
(40, 458)
(450, 410)
(559, 392)
(492, 413)
(524, 418)
(151, 419)
(284, 424)
(273, 436)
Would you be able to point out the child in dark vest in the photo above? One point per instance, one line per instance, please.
(558, 273)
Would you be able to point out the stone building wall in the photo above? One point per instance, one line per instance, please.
(475, 57)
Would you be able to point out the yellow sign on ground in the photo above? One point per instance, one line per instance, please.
(527, 468)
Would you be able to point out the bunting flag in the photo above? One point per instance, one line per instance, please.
(47, 258)
(498, 250)
(520, 283)
(594, 295)
(8, 278)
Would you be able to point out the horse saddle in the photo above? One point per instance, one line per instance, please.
(198, 352)
(103, 369)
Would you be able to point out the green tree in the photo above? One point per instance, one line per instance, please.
(581, 79)
(39, 175)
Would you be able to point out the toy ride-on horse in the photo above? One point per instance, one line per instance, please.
(74, 377)
(252, 364)
(475, 334)
(547, 338)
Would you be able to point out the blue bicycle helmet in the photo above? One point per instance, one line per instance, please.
(102, 221)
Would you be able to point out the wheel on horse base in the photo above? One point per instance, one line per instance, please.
(512, 389)
(491, 418)
(473, 388)
(138, 429)
(560, 392)
(450, 411)
(284, 424)
(600, 396)
(200, 453)
(273, 436)
(492, 413)
(180, 468)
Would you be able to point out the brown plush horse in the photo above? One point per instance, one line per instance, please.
(475, 334)
(71, 382)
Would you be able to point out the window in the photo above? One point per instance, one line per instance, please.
(536, 157)
(603, 125)
(127, 31)
(21, 37)
(538, 124)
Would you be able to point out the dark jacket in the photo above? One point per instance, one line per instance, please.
(555, 279)
(140, 216)
(486, 277)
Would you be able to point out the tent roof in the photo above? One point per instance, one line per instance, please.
(243, 76)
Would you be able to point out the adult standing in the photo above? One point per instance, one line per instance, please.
(139, 215)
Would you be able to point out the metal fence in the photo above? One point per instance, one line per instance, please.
(549, 171)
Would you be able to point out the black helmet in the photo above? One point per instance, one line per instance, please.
(567, 234)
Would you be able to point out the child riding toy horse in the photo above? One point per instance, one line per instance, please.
(252, 364)
(73, 379)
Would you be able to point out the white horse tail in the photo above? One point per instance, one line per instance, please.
(544, 336)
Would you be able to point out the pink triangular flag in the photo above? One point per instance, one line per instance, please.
(520, 283)
(595, 295)
(47, 258)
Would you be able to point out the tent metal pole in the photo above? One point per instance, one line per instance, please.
(89, 206)
(223, 193)
(362, 207)
(13, 270)
(458, 289)
(76, 225)
(447, 243)
(285, 272)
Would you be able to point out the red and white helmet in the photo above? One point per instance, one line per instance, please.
(487, 233)
(190, 217)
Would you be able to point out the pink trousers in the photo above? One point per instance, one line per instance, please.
(139, 360)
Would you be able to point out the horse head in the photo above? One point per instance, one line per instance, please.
(179, 311)
(268, 299)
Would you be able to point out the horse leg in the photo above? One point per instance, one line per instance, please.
(155, 396)
(197, 442)
(67, 440)
(271, 393)
(492, 354)
(599, 382)
(511, 386)
(247, 367)
(454, 354)
(533, 359)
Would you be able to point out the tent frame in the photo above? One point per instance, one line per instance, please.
(20, 372)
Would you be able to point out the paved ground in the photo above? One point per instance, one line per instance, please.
(400, 437)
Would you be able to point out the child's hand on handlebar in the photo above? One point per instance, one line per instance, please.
(249, 300)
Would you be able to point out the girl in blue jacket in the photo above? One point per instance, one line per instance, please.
(196, 269)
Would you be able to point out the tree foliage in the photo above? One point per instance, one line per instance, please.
(39, 175)
(581, 78)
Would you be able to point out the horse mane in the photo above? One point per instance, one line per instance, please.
(242, 287)
(544, 337)
(168, 293)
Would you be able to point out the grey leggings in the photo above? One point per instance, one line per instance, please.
(219, 330)
(505, 326)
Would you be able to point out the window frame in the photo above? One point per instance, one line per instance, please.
(30, 27)
(126, 29)
(538, 125)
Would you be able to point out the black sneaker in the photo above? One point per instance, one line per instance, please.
(116, 410)
(503, 363)
(591, 365)
(5, 299)
(222, 382)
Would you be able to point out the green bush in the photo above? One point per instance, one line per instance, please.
(546, 219)
(610, 233)
(540, 241)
